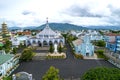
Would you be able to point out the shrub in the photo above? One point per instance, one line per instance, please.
(100, 54)
(52, 74)
(100, 51)
(78, 56)
(102, 73)
(51, 49)
(27, 54)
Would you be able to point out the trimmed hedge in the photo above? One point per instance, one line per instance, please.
(55, 57)
(78, 56)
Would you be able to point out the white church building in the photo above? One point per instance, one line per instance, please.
(46, 37)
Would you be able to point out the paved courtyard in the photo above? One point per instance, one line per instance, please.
(69, 67)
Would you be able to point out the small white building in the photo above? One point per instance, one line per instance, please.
(17, 40)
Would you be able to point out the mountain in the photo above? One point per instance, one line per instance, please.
(24, 28)
(54, 26)
(62, 26)
(14, 28)
(66, 27)
(104, 27)
(30, 28)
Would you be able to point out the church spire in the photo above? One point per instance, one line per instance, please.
(47, 20)
(47, 25)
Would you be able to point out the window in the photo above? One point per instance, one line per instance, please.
(40, 36)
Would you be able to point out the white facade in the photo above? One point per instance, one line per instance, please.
(17, 40)
(46, 37)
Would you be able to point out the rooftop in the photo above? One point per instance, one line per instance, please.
(5, 57)
(112, 34)
(77, 42)
(22, 76)
(47, 30)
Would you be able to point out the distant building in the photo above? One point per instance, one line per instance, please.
(118, 46)
(24, 33)
(94, 35)
(1, 38)
(8, 63)
(5, 32)
(111, 41)
(83, 46)
(46, 37)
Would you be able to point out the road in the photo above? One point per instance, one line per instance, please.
(69, 67)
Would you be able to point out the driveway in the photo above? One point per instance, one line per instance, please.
(69, 67)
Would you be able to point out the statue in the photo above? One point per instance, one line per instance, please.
(55, 48)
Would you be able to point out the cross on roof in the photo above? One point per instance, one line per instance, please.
(47, 19)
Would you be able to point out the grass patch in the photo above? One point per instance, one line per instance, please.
(100, 54)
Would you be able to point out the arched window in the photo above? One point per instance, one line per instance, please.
(34, 41)
(50, 43)
(39, 43)
(56, 41)
(45, 43)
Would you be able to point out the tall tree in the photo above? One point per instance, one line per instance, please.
(51, 49)
(7, 45)
(101, 43)
(52, 74)
(27, 54)
(14, 50)
(60, 48)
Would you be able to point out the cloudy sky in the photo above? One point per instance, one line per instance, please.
(80, 12)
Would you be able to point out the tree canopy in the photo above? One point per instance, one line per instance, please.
(99, 43)
(102, 73)
(7, 78)
(51, 49)
(7, 45)
(60, 49)
(14, 51)
(27, 54)
(51, 74)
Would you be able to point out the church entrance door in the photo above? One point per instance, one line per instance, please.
(45, 43)
(39, 44)
(87, 54)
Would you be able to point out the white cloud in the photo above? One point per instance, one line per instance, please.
(80, 12)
